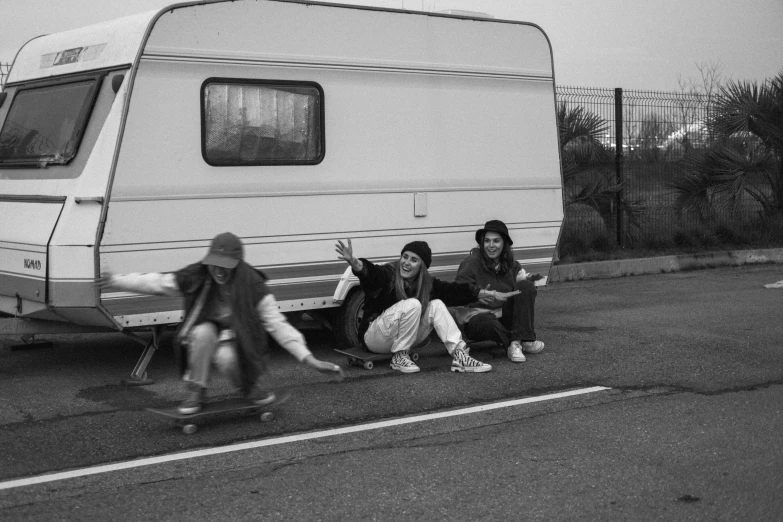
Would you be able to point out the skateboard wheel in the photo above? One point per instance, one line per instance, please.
(189, 429)
(414, 356)
(267, 416)
(368, 365)
(352, 362)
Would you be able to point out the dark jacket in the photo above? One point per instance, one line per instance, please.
(473, 271)
(377, 281)
(248, 289)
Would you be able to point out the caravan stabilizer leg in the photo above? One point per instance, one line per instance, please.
(138, 376)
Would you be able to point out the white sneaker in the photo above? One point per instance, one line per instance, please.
(465, 363)
(533, 347)
(193, 401)
(515, 352)
(402, 362)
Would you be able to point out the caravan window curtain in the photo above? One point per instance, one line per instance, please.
(262, 123)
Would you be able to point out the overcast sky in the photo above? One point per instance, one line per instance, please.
(649, 44)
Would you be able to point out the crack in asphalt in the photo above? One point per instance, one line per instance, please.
(672, 389)
(440, 443)
(645, 392)
(426, 441)
(61, 494)
(666, 389)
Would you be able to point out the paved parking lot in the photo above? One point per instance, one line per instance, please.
(701, 350)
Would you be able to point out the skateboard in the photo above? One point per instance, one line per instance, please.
(187, 421)
(361, 356)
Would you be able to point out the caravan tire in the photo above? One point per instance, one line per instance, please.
(347, 319)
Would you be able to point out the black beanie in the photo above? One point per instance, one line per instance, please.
(421, 249)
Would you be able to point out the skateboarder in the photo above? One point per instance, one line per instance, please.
(228, 312)
(404, 303)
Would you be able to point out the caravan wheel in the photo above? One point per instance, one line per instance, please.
(347, 318)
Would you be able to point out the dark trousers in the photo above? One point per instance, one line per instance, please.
(516, 324)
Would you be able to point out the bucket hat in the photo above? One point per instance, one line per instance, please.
(494, 225)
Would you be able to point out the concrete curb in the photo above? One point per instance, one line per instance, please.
(662, 264)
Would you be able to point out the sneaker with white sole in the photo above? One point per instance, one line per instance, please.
(402, 362)
(193, 400)
(533, 346)
(465, 363)
(515, 352)
(260, 397)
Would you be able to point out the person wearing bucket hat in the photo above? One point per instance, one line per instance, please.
(403, 303)
(496, 226)
(228, 313)
(509, 320)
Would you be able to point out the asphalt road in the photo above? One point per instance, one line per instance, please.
(689, 429)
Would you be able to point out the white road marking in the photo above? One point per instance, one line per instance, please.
(118, 466)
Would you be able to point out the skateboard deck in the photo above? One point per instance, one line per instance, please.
(187, 421)
(361, 356)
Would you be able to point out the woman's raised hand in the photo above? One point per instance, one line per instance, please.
(522, 275)
(345, 252)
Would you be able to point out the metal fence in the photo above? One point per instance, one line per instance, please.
(626, 195)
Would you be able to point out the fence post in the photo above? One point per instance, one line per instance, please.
(618, 164)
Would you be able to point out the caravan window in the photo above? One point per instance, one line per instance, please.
(262, 123)
(45, 124)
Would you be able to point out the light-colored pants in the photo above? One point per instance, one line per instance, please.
(402, 325)
(207, 345)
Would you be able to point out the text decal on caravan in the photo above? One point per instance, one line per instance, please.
(77, 54)
(32, 264)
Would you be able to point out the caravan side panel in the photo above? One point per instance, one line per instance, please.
(457, 115)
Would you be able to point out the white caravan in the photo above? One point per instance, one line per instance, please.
(127, 145)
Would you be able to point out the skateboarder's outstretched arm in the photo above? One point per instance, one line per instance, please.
(291, 339)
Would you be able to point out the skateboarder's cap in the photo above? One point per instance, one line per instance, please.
(225, 251)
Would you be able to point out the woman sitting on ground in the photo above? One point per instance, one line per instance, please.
(506, 321)
(403, 303)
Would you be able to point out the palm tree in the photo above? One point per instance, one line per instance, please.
(580, 140)
(588, 173)
(745, 158)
